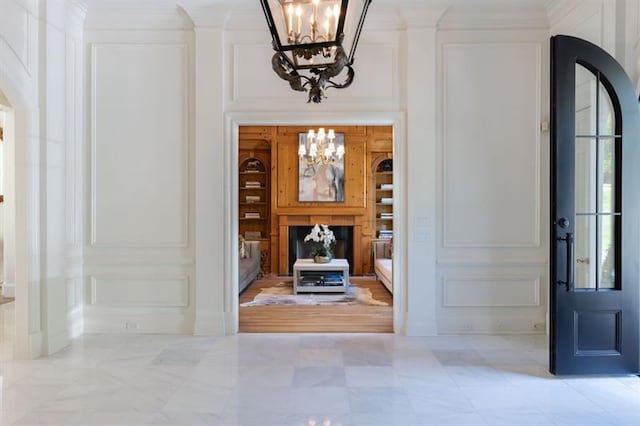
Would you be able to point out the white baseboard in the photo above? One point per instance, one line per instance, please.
(57, 341)
(35, 345)
(210, 324)
(421, 328)
(491, 325)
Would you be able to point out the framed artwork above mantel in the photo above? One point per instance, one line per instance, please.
(320, 181)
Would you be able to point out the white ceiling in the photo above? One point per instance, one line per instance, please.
(245, 3)
(383, 14)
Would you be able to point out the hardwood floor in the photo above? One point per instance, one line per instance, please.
(317, 319)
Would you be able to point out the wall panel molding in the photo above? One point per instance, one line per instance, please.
(491, 177)
(139, 145)
(491, 291)
(474, 261)
(74, 293)
(170, 291)
(254, 86)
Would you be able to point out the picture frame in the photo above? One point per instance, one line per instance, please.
(318, 182)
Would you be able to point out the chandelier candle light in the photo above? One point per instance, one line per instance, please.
(320, 147)
(317, 38)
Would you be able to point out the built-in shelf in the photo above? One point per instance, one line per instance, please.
(383, 182)
(254, 168)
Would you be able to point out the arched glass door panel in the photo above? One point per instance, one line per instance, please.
(596, 219)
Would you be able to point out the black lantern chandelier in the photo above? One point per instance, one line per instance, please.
(315, 41)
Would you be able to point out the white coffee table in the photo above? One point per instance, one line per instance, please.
(337, 267)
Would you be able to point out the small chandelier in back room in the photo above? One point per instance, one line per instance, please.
(317, 38)
(320, 147)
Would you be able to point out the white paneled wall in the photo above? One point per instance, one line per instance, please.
(16, 28)
(466, 101)
(491, 144)
(139, 154)
(493, 253)
(252, 84)
(593, 20)
(139, 257)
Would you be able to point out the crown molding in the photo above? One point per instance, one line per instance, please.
(136, 16)
(558, 9)
(422, 16)
(203, 13)
(494, 16)
(383, 14)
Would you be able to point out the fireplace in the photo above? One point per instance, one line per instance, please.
(343, 248)
(287, 247)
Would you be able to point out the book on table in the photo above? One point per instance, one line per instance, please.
(316, 279)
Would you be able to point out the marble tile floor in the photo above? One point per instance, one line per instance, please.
(308, 379)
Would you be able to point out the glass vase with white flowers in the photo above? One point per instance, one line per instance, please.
(323, 239)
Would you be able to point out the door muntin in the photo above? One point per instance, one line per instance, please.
(597, 210)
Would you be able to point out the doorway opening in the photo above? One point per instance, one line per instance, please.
(278, 291)
(7, 275)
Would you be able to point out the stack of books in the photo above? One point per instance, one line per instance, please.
(252, 198)
(386, 215)
(385, 234)
(252, 215)
(252, 184)
(331, 280)
(252, 235)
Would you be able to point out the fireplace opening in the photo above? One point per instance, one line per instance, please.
(343, 248)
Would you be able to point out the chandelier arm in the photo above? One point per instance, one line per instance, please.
(333, 70)
(317, 86)
(346, 83)
(286, 72)
(324, 76)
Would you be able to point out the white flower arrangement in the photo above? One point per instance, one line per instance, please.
(323, 239)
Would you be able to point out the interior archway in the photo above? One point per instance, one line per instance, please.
(26, 331)
(7, 240)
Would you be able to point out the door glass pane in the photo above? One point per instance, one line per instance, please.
(585, 250)
(586, 85)
(605, 112)
(606, 175)
(585, 175)
(607, 251)
(595, 248)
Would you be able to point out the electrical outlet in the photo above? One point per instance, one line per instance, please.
(131, 325)
(467, 327)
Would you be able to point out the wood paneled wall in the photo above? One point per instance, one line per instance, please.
(362, 145)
